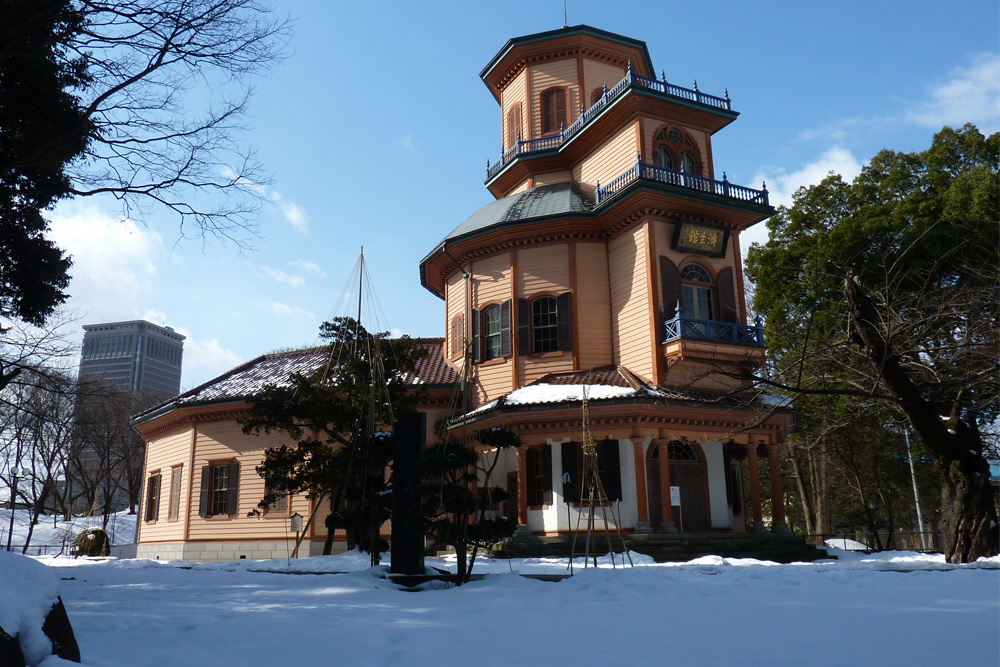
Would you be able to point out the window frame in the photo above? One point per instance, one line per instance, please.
(549, 118)
(153, 496)
(676, 149)
(552, 328)
(696, 286)
(491, 337)
(514, 132)
(176, 481)
(207, 501)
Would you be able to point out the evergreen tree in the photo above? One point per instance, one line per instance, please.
(885, 292)
(339, 418)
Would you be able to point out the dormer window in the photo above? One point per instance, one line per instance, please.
(553, 108)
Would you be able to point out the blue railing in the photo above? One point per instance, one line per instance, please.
(710, 330)
(650, 172)
(610, 95)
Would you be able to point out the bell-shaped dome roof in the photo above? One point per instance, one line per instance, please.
(543, 201)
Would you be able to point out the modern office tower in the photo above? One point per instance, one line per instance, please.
(137, 356)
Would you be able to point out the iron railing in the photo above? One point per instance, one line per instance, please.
(631, 80)
(650, 172)
(680, 326)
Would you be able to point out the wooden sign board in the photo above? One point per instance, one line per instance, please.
(703, 238)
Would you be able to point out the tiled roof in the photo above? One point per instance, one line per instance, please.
(251, 378)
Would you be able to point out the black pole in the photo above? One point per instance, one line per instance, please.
(407, 548)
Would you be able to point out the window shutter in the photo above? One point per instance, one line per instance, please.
(546, 453)
(234, 487)
(670, 287)
(206, 487)
(523, 326)
(157, 485)
(477, 339)
(612, 477)
(727, 296)
(505, 350)
(457, 335)
(571, 488)
(564, 316)
(279, 506)
(529, 463)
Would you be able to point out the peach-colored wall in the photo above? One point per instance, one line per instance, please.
(596, 74)
(593, 305)
(541, 271)
(164, 453)
(546, 75)
(491, 284)
(610, 160)
(513, 95)
(630, 302)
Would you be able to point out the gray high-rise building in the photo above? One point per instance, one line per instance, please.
(137, 356)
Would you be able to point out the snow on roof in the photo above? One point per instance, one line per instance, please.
(275, 369)
(559, 393)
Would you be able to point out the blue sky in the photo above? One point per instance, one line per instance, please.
(377, 130)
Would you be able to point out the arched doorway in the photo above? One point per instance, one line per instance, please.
(687, 471)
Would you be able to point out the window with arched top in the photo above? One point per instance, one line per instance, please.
(514, 125)
(696, 290)
(596, 95)
(687, 163)
(664, 158)
(674, 149)
(545, 324)
(554, 105)
(679, 451)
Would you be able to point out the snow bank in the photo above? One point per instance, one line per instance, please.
(28, 590)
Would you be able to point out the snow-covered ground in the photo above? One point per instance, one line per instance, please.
(890, 608)
(51, 533)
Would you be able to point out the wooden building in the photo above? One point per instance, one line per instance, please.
(609, 261)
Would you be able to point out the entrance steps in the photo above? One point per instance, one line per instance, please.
(675, 547)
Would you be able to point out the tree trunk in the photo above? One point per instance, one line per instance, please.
(968, 510)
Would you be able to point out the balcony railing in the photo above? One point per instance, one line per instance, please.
(650, 172)
(610, 95)
(710, 330)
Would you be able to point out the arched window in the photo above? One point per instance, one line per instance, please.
(553, 107)
(596, 95)
(681, 452)
(513, 125)
(544, 324)
(696, 288)
(664, 158)
(688, 165)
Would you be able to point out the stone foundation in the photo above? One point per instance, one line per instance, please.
(207, 552)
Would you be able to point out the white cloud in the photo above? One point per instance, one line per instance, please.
(156, 317)
(208, 354)
(782, 185)
(406, 143)
(970, 95)
(280, 276)
(114, 260)
(294, 213)
(309, 267)
(289, 311)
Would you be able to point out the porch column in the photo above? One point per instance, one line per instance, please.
(522, 491)
(778, 524)
(667, 525)
(642, 525)
(758, 516)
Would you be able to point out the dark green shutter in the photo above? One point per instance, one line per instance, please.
(564, 318)
(727, 296)
(670, 287)
(610, 463)
(570, 488)
(505, 350)
(523, 326)
(546, 453)
(234, 487)
(477, 338)
(206, 487)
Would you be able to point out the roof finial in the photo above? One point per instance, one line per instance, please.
(565, 19)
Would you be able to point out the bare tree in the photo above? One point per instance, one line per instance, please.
(167, 90)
